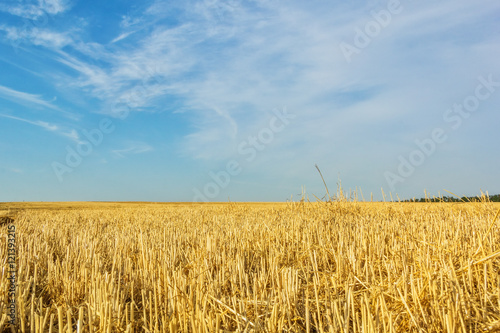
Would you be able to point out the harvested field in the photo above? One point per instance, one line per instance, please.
(284, 267)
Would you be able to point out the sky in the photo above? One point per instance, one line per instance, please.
(239, 100)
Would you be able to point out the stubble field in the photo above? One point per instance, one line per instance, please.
(284, 267)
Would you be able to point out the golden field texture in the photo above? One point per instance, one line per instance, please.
(292, 267)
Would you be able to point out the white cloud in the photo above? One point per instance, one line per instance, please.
(54, 6)
(50, 39)
(128, 21)
(35, 36)
(122, 36)
(71, 134)
(34, 10)
(22, 97)
(39, 123)
(133, 148)
(227, 65)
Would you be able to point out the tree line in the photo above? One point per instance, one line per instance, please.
(491, 198)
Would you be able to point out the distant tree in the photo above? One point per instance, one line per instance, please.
(492, 198)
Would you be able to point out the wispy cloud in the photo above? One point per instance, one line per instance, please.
(71, 134)
(132, 149)
(34, 9)
(122, 36)
(224, 65)
(230, 63)
(36, 36)
(21, 67)
(12, 170)
(39, 123)
(23, 98)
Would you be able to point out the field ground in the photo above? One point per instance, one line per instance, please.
(263, 267)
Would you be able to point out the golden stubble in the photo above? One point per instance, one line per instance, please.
(295, 267)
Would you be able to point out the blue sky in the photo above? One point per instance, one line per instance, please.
(209, 100)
